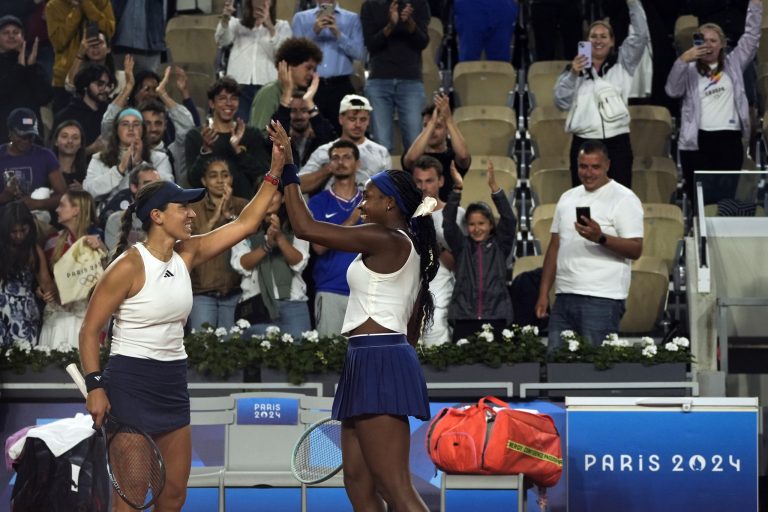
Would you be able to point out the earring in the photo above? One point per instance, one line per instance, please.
(389, 207)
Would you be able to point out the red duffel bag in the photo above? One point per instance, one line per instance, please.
(486, 440)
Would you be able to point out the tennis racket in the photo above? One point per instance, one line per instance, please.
(317, 454)
(134, 463)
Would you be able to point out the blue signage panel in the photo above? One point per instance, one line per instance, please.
(267, 411)
(636, 461)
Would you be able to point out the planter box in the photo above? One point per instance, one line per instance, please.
(52, 375)
(328, 380)
(195, 376)
(622, 372)
(478, 373)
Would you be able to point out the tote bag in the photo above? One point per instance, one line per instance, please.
(78, 271)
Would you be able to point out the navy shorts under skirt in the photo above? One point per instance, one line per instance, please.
(382, 375)
(149, 394)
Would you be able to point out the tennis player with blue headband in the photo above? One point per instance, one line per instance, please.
(147, 291)
(389, 303)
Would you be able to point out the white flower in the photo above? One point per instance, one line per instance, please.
(243, 323)
(266, 344)
(220, 331)
(681, 342)
(530, 328)
(672, 347)
(649, 350)
(272, 330)
(209, 329)
(287, 338)
(462, 341)
(235, 330)
(613, 337)
(487, 327)
(487, 335)
(573, 345)
(311, 336)
(647, 340)
(193, 331)
(567, 334)
(507, 334)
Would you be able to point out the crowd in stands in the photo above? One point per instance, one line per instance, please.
(93, 107)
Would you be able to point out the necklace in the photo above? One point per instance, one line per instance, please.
(351, 203)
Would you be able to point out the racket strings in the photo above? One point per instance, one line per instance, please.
(318, 454)
(136, 467)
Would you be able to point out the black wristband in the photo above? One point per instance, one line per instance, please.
(93, 381)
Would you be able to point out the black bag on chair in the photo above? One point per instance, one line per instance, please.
(253, 310)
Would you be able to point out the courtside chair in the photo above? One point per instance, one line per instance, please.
(541, 222)
(484, 82)
(190, 40)
(685, 27)
(647, 297)
(494, 482)
(546, 126)
(542, 77)
(487, 130)
(208, 411)
(650, 128)
(663, 228)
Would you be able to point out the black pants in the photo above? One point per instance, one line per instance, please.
(467, 328)
(619, 152)
(329, 94)
(550, 18)
(718, 151)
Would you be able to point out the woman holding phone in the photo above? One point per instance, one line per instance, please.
(389, 304)
(147, 290)
(715, 114)
(595, 95)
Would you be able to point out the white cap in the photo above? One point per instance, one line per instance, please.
(354, 102)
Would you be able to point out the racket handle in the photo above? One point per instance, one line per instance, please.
(77, 377)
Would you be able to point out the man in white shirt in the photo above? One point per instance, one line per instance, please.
(354, 116)
(589, 257)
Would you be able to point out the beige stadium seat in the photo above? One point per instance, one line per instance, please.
(663, 228)
(487, 130)
(547, 128)
(476, 183)
(548, 162)
(350, 5)
(526, 264)
(358, 76)
(685, 27)
(430, 73)
(483, 82)
(647, 295)
(547, 185)
(198, 84)
(190, 40)
(654, 178)
(285, 9)
(649, 130)
(396, 162)
(542, 77)
(541, 222)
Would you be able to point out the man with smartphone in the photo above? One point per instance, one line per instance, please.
(597, 230)
(339, 35)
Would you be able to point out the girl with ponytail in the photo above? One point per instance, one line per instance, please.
(389, 304)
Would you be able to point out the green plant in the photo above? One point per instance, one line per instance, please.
(23, 357)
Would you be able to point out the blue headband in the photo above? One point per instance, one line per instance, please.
(384, 183)
(130, 112)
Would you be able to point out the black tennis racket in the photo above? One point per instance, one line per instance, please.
(317, 454)
(134, 463)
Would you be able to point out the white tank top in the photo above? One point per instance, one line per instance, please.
(388, 299)
(150, 325)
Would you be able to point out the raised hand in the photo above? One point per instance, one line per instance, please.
(284, 75)
(394, 14)
(209, 135)
(128, 70)
(693, 53)
(181, 81)
(406, 13)
(578, 64)
(443, 106)
(281, 143)
(491, 177)
(458, 181)
(160, 89)
(237, 135)
(32, 58)
(309, 96)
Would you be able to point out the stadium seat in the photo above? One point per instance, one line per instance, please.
(285, 9)
(483, 82)
(541, 222)
(476, 180)
(685, 27)
(487, 130)
(663, 228)
(396, 162)
(542, 77)
(547, 185)
(654, 179)
(358, 76)
(649, 130)
(548, 136)
(551, 162)
(350, 5)
(190, 40)
(197, 84)
(647, 297)
(526, 264)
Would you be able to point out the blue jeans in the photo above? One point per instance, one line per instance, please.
(388, 95)
(216, 311)
(293, 319)
(485, 25)
(592, 317)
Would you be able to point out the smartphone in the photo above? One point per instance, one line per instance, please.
(585, 49)
(582, 211)
(326, 9)
(698, 39)
(210, 123)
(92, 30)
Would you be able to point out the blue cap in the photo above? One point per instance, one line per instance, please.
(169, 193)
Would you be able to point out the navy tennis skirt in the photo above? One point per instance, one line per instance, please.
(149, 394)
(382, 375)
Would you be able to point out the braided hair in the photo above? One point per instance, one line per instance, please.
(424, 238)
(126, 223)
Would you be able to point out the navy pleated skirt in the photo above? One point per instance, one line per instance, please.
(149, 394)
(382, 375)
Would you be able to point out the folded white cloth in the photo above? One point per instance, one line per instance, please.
(59, 436)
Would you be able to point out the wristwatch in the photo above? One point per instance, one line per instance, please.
(602, 239)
